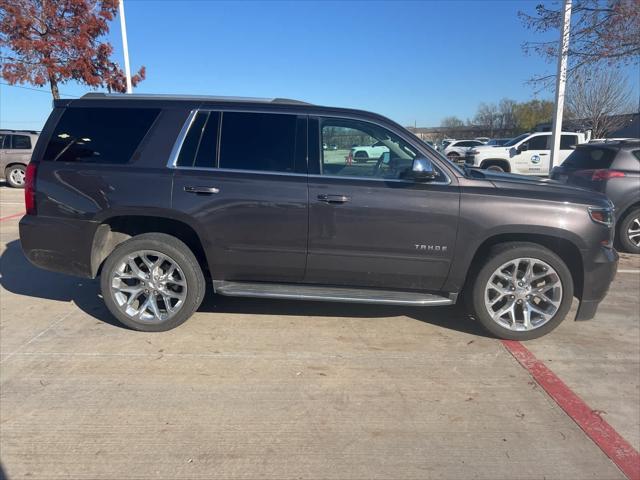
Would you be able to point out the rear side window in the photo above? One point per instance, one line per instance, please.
(200, 145)
(99, 135)
(258, 141)
(20, 142)
(590, 158)
(2, 140)
(567, 142)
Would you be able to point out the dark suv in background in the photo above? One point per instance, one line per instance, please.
(161, 195)
(612, 168)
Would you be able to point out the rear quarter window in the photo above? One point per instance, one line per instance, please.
(99, 135)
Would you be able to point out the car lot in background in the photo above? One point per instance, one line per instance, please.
(16, 147)
(526, 154)
(612, 168)
(275, 388)
(457, 149)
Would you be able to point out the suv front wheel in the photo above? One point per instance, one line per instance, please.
(523, 291)
(152, 282)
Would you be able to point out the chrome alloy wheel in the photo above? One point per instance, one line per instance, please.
(148, 286)
(17, 176)
(633, 232)
(523, 294)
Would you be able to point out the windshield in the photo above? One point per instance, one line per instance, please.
(513, 141)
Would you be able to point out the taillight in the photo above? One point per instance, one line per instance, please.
(30, 189)
(601, 174)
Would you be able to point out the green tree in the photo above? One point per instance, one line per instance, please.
(531, 113)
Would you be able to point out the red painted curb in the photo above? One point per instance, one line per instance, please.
(11, 216)
(596, 428)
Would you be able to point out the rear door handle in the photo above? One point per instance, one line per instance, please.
(205, 190)
(544, 154)
(333, 198)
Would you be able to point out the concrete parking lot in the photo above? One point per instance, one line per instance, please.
(279, 389)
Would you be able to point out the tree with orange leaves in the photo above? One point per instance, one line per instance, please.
(54, 41)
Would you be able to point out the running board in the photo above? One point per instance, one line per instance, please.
(328, 294)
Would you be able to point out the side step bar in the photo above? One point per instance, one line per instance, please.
(328, 294)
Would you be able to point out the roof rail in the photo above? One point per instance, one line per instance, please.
(205, 98)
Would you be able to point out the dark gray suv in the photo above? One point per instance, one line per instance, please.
(612, 168)
(160, 196)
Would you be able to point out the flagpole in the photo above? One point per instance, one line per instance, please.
(125, 46)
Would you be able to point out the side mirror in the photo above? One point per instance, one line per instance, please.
(523, 147)
(422, 170)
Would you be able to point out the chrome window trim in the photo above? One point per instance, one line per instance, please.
(375, 179)
(177, 146)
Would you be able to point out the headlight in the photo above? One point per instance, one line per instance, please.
(601, 215)
(473, 152)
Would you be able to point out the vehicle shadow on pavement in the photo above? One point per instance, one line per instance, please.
(20, 277)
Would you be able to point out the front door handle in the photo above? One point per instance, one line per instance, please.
(205, 190)
(333, 198)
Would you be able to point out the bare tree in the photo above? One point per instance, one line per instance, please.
(451, 122)
(488, 117)
(597, 99)
(507, 112)
(603, 32)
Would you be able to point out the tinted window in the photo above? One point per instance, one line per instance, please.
(363, 150)
(99, 135)
(589, 158)
(258, 141)
(636, 153)
(200, 144)
(567, 142)
(538, 142)
(2, 138)
(21, 142)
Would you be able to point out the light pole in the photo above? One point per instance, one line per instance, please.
(561, 81)
(125, 45)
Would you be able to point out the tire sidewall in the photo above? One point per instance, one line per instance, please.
(179, 253)
(521, 251)
(623, 239)
(8, 175)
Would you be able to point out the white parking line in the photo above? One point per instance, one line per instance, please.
(11, 203)
(629, 271)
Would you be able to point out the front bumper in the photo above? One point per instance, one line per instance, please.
(59, 245)
(600, 266)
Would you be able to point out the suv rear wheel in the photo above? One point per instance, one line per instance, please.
(15, 175)
(152, 282)
(523, 291)
(628, 233)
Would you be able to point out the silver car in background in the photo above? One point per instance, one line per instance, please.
(16, 147)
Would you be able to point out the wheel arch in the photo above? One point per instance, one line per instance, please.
(114, 230)
(496, 161)
(563, 247)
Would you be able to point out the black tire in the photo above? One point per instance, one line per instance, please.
(10, 172)
(629, 221)
(501, 254)
(361, 157)
(495, 168)
(180, 254)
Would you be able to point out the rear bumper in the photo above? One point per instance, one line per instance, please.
(600, 266)
(59, 245)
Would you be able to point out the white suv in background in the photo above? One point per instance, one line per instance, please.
(527, 154)
(457, 149)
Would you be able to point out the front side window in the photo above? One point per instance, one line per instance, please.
(2, 140)
(258, 141)
(99, 135)
(363, 150)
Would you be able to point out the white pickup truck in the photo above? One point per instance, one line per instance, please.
(527, 154)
